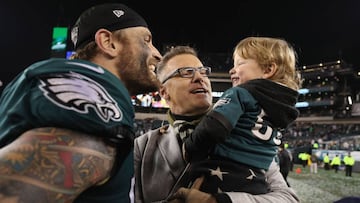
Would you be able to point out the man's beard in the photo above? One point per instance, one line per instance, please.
(140, 84)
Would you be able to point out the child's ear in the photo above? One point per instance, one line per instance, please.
(270, 70)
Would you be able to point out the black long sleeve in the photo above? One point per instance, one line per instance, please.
(212, 129)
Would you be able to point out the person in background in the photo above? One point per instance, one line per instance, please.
(349, 162)
(286, 147)
(315, 145)
(284, 162)
(66, 126)
(304, 157)
(313, 164)
(159, 165)
(335, 163)
(240, 136)
(326, 161)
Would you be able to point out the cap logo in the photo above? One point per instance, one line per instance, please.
(118, 13)
(74, 34)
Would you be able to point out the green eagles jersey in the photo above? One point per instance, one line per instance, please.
(64, 93)
(72, 94)
(252, 140)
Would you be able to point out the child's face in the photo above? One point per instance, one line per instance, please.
(245, 70)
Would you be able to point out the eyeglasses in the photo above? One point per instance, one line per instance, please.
(189, 72)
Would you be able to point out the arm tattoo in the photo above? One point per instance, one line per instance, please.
(52, 165)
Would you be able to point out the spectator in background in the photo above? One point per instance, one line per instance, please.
(158, 101)
(335, 163)
(349, 163)
(304, 157)
(313, 164)
(145, 99)
(326, 161)
(286, 146)
(284, 162)
(315, 145)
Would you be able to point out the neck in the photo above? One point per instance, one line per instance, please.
(186, 118)
(173, 117)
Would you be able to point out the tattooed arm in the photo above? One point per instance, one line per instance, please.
(52, 165)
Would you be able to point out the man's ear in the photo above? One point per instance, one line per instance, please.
(105, 42)
(270, 71)
(163, 92)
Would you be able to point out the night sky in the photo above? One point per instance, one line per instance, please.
(320, 31)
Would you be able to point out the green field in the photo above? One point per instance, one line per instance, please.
(323, 187)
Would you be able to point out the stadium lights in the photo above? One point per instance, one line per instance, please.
(349, 100)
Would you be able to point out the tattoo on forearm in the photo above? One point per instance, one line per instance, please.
(52, 163)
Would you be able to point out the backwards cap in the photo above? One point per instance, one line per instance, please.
(111, 16)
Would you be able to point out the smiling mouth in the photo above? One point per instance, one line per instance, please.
(199, 91)
(234, 79)
(152, 68)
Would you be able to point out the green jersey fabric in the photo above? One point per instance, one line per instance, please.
(252, 141)
(72, 94)
(257, 111)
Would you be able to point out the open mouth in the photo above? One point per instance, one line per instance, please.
(152, 68)
(199, 91)
(234, 80)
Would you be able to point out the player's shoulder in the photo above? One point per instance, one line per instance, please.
(58, 65)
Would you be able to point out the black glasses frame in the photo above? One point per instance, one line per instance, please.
(188, 72)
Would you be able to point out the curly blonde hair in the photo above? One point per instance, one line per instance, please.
(267, 50)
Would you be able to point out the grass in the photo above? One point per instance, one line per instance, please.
(325, 186)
